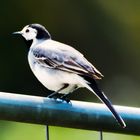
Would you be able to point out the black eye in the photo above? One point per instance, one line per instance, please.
(27, 31)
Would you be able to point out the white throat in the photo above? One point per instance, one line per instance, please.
(37, 41)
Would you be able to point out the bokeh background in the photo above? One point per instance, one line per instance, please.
(107, 32)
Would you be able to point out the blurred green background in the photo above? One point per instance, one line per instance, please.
(107, 32)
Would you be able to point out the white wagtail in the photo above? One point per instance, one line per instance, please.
(61, 68)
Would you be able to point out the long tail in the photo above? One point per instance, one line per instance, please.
(93, 85)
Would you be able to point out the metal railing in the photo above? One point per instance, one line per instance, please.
(82, 115)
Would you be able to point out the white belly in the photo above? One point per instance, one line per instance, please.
(55, 79)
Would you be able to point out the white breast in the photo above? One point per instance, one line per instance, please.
(54, 79)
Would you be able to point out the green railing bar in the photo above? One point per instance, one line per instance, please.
(82, 115)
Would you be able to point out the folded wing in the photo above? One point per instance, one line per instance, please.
(66, 60)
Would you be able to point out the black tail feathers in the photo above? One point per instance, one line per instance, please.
(105, 100)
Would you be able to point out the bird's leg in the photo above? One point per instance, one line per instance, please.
(53, 94)
(56, 92)
(64, 97)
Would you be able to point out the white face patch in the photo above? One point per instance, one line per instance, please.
(29, 33)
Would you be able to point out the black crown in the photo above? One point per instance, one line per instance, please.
(42, 33)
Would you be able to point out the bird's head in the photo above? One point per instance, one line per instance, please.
(34, 32)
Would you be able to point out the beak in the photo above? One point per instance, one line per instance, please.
(17, 33)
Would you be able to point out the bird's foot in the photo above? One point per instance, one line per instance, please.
(57, 96)
(65, 99)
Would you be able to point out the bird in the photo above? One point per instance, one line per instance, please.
(61, 68)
